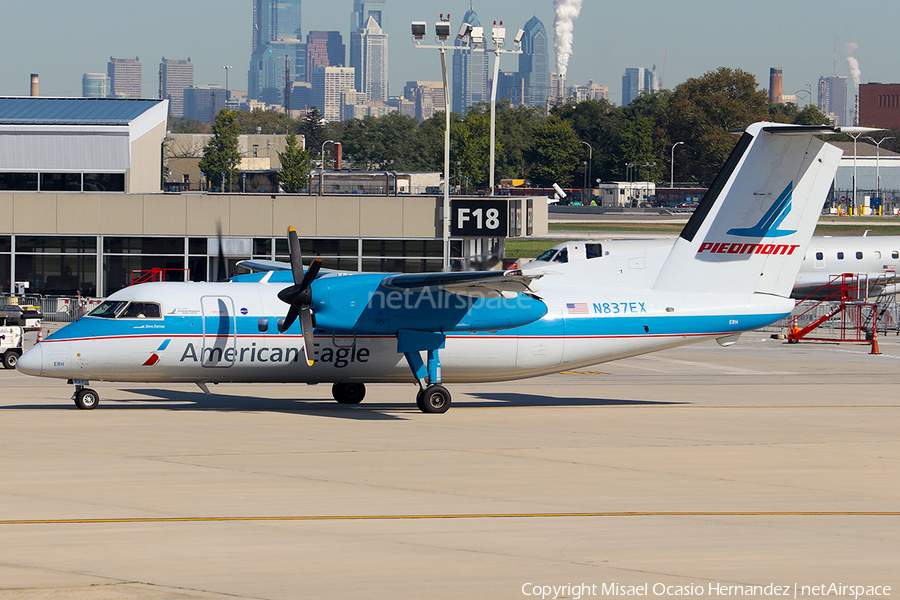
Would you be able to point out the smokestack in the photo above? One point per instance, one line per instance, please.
(775, 86)
(34, 85)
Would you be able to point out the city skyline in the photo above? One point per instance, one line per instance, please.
(683, 41)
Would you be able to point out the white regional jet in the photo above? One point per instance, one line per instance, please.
(351, 329)
(873, 258)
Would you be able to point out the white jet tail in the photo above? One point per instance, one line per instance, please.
(751, 229)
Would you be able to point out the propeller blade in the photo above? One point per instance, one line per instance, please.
(307, 327)
(289, 319)
(311, 273)
(221, 272)
(296, 257)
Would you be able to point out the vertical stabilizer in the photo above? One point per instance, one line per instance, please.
(751, 229)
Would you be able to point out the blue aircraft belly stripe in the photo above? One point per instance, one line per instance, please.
(571, 327)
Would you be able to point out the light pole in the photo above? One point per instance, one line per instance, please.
(226, 67)
(322, 169)
(877, 153)
(498, 35)
(590, 161)
(672, 166)
(442, 34)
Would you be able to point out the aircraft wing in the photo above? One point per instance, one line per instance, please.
(256, 264)
(476, 284)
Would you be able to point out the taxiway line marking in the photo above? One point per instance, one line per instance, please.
(454, 516)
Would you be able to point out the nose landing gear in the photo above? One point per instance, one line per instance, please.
(85, 398)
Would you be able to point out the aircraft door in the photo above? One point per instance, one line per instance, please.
(546, 348)
(819, 257)
(219, 332)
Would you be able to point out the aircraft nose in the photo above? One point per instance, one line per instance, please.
(32, 362)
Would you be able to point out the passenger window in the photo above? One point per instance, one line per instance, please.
(859, 255)
(840, 256)
(877, 254)
(820, 256)
(142, 310)
(263, 325)
(895, 254)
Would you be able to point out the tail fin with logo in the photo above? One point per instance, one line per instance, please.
(751, 229)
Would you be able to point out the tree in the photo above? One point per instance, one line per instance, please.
(313, 128)
(221, 156)
(702, 112)
(553, 153)
(636, 147)
(294, 166)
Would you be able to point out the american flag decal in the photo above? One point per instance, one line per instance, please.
(577, 308)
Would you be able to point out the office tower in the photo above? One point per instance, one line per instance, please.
(470, 73)
(124, 77)
(370, 60)
(274, 66)
(275, 19)
(328, 87)
(324, 49)
(278, 56)
(203, 102)
(534, 63)
(362, 10)
(95, 85)
(637, 81)
(833, 98)
(511, 86)
(175, 75)
(426, 96)
(775, 86)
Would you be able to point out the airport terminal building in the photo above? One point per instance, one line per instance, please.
(82, 211)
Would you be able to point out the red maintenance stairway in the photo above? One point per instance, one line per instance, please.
(857, 318)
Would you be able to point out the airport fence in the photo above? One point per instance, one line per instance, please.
(61, 309)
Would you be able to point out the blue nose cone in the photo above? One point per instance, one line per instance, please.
(32, 362)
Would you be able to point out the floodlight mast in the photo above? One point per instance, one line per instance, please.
(442, 34)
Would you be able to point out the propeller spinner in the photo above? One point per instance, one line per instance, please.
(299, 295)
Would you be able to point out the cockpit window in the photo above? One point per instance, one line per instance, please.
(562, 257)
(108, 310)
(546, 256)
(119, 309)
(141, 310)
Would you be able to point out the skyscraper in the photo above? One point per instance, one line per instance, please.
(534, 63)
(277, 50)
(95, 85)
(324, 49)
(275, 19)
(637, 81)
(362, 10)
(175, 75)
(470, 73)
(328, 87)
(833, 98)
(370, 60)
(124, 77)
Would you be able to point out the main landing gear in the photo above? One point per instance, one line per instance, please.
(432, 396)
(348, 393)
(85, 398)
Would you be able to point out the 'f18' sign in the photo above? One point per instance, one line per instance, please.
(478, 218)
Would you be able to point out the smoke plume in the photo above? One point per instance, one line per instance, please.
(566, 13)
(853, 63)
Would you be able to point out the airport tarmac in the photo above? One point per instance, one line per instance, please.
(701, 467)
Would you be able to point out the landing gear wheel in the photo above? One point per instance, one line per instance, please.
(348, 393)
(434, 399)
(86, 399)
(10, 359)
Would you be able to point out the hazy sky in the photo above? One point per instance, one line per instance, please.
(61, 39)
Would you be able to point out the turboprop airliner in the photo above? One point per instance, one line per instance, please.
(307, 325)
